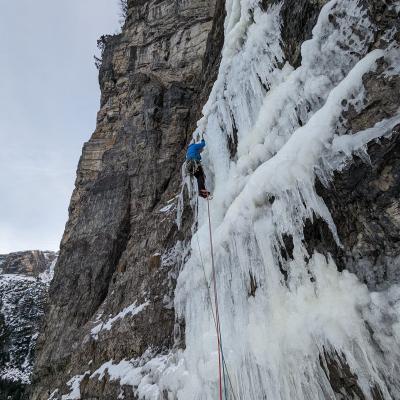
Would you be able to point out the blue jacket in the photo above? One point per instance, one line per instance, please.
(193, 151)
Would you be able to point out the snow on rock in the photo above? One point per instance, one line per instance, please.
(53, 394)
(131, 310)
(22, 307)
(22, 302)
(145, 374)
(168, 208)
(74, 385)
(47, 276)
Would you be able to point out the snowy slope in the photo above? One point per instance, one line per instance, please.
(22, 303)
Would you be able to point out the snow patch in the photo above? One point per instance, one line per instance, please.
(74, 384)
(167, 208)
(53, 394)
(131, 310)
(47, 276)
(145, 375)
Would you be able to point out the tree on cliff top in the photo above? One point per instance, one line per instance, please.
(124, 10)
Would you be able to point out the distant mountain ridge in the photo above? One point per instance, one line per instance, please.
(29, 263)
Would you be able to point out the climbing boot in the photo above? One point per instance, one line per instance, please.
(204, 193)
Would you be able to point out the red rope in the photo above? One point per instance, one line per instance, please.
(216, 303)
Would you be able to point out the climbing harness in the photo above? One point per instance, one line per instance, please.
(223, 371)
(192, 166)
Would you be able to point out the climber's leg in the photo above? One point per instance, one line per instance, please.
(201, 182)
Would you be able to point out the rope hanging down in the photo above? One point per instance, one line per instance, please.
(215, 301)
(222, 367)
(225, 367)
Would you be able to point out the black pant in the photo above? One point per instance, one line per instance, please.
(201, 178)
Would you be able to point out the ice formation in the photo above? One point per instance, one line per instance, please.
(275, 343)
(47, 276)
(278, 341)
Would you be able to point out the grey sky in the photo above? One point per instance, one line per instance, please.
(49, 97)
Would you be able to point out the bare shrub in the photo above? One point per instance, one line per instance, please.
(123, 4)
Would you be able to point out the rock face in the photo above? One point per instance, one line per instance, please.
(28, 263)
(121, 246)
(24, 278)
(363, 198)
(112, 295)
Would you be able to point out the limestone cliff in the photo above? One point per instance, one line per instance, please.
(121, 245)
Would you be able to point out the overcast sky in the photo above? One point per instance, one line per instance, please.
(49, 97)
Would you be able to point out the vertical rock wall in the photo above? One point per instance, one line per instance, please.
(111, 297)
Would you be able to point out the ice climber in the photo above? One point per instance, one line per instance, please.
(194, 167)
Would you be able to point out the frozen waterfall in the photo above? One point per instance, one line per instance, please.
(286, 122)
